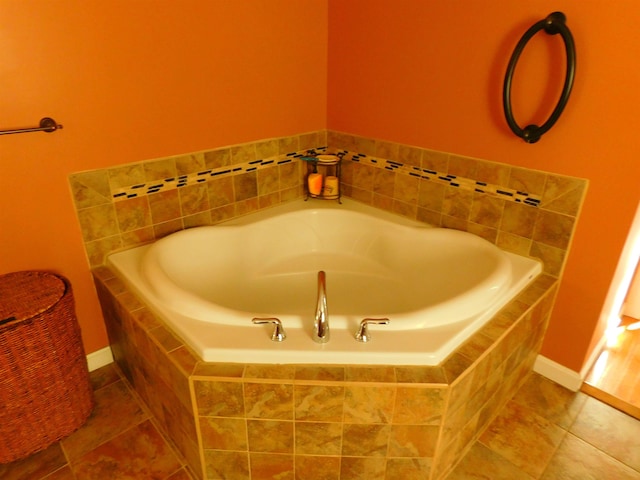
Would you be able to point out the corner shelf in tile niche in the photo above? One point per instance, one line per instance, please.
(323, 177)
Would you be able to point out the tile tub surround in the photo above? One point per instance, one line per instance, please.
(129, 205)
(243, 421)
(247, 421)
(524, 211)
(528, 212)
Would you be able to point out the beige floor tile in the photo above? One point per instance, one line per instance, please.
(116, 410)
(524, 438)
(550, 400)
(577, 460)
(609, 430)
(138, 453)
(483, 464)
(35, 466)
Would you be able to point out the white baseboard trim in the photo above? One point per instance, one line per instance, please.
(99, 358)
(558, 373)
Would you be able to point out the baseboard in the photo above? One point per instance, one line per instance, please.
(558, 373)
(99, 358)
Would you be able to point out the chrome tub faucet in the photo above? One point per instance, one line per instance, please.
(321, 321)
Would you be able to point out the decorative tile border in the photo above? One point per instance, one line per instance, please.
(446, 179)
(171, 183)
(204, 176)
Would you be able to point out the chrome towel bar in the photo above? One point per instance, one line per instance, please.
(46, 125)
(553, 24)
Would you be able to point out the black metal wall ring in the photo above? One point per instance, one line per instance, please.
(553, 24)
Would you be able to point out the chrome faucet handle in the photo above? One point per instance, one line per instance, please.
(278, 334)
(363, 334)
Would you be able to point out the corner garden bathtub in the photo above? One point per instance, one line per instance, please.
(437, 286)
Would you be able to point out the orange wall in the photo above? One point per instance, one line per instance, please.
(135, 80)
(430, 74)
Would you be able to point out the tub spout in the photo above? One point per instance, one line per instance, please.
(321, 322)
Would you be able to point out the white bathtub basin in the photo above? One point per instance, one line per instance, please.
(435, 285)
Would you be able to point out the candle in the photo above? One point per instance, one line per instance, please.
(330, 186)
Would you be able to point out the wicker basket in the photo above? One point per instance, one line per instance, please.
(45, 393)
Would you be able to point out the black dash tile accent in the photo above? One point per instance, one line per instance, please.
(255, 161)
(373, 160)
(118, 195)
(357, 159)
(169, 180)
(533, 200)
(389, 168)
(183, 177)
(267, 162)
(220, 173)
(454, 184)
(484, 184)
(502, 192)
(153, 190)
(431, 172)
(158, 185)
(452, 176)
(140, 185)
(292, 154)
(237, 169)
(184, 184)
(251, 169)
(200, 180)
(206, 172)
(425, 177)
(287, 160)
(414, 174)
(417, 168)
(132, 195)
(397, 164)
(522, 193)
(479, 190)
(533, 204)
(445, 179)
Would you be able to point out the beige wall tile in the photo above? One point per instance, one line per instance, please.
(413, 440)
(317, 467)
(553, 229)
(320, 403)
(193, 199)
(270, 436)
(358, 468)
(223, 399)
(224, 433)
(98, 222)
(221, 464)
(133, 214)
(265, 465)
(245, 186)
(90, 189)
(419, 406)
(266, 400)
(365, 440)
(314, 438)
(368, 404)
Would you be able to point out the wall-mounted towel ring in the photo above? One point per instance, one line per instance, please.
(554, 23)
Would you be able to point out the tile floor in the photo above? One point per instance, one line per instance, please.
(545, 432)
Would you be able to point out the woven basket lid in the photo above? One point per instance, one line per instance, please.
(24, 295)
